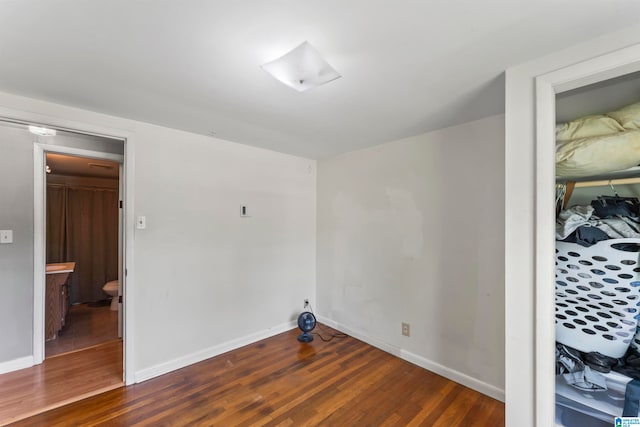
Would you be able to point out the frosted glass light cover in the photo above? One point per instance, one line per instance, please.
(302, 68)
(42, 131)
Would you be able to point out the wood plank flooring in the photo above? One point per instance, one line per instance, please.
(280, 382)
(85, 326)
(60, 380)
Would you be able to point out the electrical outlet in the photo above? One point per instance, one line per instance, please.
(6, 236)
(406, 329)
(141, 222)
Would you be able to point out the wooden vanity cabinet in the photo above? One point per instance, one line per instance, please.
(56, 304)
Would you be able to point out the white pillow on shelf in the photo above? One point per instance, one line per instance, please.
(586, 127)
(628, 117)
(597, 155)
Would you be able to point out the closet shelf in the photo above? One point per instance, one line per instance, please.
(633, 172)
(608, 404)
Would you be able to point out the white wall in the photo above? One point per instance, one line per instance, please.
(204, 275)
(412, 231)
(521, 226)
(203, 280)
(16, 259)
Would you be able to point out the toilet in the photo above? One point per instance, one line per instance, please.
(111, 288)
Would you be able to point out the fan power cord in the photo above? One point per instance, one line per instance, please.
(331, 335)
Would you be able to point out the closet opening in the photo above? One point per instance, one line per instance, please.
(596, 266)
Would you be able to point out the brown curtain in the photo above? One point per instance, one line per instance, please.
(90, 238)
(56, 210)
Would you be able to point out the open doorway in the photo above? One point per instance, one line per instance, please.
(97, 367)
(597, 252)
(78, 231)
(82, 253)
(550, 88)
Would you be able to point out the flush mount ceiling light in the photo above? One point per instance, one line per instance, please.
(37, 130)
(301, 69)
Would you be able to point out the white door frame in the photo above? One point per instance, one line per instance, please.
(594, 70)
(60, 123)
(121, 248)
(39, 228)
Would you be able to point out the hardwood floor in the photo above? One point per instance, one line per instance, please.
(85, 326)
(60, 380)
(280, 382)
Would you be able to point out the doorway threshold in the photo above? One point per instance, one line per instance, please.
(60, 380)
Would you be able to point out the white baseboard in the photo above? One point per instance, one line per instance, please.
(361, 336)
(16, 364)
(452, 374)
(199, 356)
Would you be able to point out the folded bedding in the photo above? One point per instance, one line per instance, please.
(599, 144)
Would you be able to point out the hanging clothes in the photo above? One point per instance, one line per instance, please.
(577, 216)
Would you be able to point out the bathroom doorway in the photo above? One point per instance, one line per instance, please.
(79, 182)
(82, 243)
(50, 383)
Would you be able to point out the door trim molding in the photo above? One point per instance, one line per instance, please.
(33, 111)
(40, 231)
(600, 68)
(39, 252)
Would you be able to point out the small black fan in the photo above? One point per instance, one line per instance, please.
(306, 323)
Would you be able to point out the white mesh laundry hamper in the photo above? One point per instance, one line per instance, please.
(597, 295)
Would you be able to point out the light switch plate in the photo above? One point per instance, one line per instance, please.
(6, 236)
(141, 222)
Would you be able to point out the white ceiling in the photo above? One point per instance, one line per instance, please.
(408, 66)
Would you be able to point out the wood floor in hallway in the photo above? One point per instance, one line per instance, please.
(281, 382)
(59, 380)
